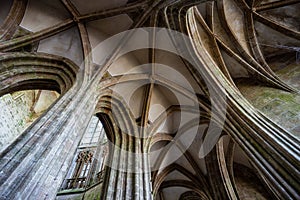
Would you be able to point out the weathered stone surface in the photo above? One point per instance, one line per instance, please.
(146, 108)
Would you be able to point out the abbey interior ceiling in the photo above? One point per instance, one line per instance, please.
(188, 99)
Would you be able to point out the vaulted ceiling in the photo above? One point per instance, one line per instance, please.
(249, 55)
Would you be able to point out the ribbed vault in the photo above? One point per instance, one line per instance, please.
(162, 109)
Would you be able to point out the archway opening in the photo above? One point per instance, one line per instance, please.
(19, 110)
(87, 167)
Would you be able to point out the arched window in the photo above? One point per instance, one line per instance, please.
(89, 160)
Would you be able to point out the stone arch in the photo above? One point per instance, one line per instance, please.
(36, 71)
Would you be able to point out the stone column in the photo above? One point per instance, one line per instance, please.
(126, 177)
(35, 165)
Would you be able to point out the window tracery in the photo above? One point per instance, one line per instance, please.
(88, 163)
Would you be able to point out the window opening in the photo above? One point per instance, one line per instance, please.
(88, 164)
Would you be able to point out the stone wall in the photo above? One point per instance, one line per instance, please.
(281, 106)
(19, 110)
(14, 113)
